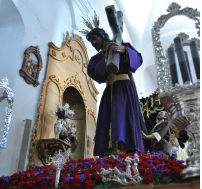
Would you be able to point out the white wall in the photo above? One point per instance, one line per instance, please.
(11, 36)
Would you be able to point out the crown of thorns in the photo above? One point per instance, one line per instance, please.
(90, 24)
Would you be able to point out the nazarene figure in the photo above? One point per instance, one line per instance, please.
(118, 125)
(160, 135)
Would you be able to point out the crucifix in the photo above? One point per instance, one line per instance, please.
(115, 19)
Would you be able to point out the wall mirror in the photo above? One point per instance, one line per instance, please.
(165, 29)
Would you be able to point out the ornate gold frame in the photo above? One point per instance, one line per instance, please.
(30, 69)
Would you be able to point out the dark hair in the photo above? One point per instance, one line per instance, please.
(183, 136)
(98, 31)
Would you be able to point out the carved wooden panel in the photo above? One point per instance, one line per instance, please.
(66, 68)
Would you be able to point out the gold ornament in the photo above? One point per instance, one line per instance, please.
(90, 24)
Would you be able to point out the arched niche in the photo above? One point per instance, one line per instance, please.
(74, 99)
(66, 81)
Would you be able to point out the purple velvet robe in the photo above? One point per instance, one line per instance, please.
(122, 112)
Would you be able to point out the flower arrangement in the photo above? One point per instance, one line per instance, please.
(84, 173)
(63, 129)
(64, 112)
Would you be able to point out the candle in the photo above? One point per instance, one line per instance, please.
(172, 64)
(195, 58)
(187, 60)
(186, 75)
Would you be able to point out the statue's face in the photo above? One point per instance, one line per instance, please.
(162, 115)
(97, 42)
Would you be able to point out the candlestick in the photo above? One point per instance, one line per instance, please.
(188, 65)
(186, 76)
(196, 58)
(172, 63)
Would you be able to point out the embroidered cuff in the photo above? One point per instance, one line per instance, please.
(157, 136)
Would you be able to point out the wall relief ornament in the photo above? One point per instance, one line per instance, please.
(30, 68)
(163, 71)
(73, 81)
(92, 112)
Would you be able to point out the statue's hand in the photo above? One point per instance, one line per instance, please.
(144, 135)
(116, 48)
(148, 137)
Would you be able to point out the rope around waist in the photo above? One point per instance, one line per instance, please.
(112, 78)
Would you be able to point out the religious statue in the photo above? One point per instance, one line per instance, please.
(118, 125)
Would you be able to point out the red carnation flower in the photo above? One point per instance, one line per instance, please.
(64, 186)
(163, 100)
(76, 185)
(147, 179)
(76, 170)
(44, 185)
(76, 177)
(148, 176)
(97, 177)
(96, 167)
(2, 185)
(148, 172)
(111, 160)
(156, 162)
(30, 183)
(91, 160)
(141, 168)
(37, 179)
(81, 159)
(15, 182)
(89, 184)
(176, 170)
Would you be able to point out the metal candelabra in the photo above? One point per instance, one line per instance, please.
(186, 103)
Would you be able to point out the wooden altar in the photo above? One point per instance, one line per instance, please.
(66, 81)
